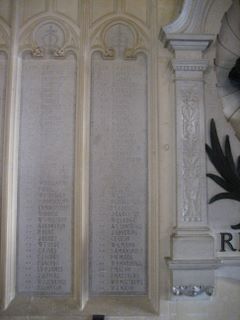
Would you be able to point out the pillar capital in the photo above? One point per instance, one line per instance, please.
(185, 41)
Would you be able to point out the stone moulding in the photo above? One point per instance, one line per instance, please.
(48, 36)
(230, 261)
(192, 290)
(182, 65)
(142, 42)
(192, 17)
(139, 43)
(22, 41)
(193, 264)
(193, 260)
(188, 42)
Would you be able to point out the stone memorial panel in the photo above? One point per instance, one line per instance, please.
(3, 67)
(46, 176)
(118, 173)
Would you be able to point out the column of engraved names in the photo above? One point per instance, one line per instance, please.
(48, 266)
(3, 61)
(118, 177)
(27, 186)
(100, 176)
(128, 233)
(54, 202)
(45, 190)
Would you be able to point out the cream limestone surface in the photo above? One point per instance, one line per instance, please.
(85, 24)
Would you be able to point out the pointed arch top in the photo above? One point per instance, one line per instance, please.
(69, 33)
(140, 39)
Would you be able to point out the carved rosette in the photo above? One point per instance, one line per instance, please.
(37, 52)
(191, 158)
(108, 53)
(60, 53)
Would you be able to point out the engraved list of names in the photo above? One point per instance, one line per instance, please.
(3, 65)
(118, 176)
(46, 176)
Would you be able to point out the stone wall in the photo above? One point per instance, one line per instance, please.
(105, 110)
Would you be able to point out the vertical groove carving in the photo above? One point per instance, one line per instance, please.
(191, 149)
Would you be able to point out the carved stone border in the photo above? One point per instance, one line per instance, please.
(144, 42)
(192, 262)
(21, 42)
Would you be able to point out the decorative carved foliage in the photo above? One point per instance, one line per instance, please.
(49, 37)
(191, 149)
(119, 39)
(192, 290)
(37, 52)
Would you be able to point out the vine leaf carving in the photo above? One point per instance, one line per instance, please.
(229, 171)
(191, 167)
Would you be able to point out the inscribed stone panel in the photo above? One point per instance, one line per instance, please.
(3, 66)
(46, 170)
(118, 175)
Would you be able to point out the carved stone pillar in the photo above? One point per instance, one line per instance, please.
(192, 261)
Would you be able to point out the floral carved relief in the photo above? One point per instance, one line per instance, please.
(49, 38)
(191, 155)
